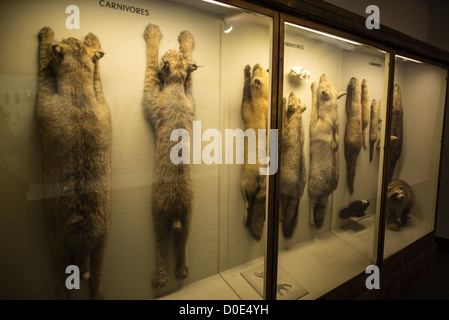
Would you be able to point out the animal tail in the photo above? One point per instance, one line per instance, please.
(351, 166)
(371, 150)
(319, 210)
(290, 217)
(257, 216)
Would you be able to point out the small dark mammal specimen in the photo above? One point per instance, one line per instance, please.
(365, 110)
(400, 200)
(396, 132)
(255, 116)
(373, 128)
(168, 104)
(353, 133)
(293, 176)
(75, 129)
(356, 208)
(324, 141)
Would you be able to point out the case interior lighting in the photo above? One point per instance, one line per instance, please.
(324, 34)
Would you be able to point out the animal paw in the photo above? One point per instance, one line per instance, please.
(92, 40)
(152, 32)
(160, 279)
(185, 38)
(46, 34)
(182, 272)
(247, 72)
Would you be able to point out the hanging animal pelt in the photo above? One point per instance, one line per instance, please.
(373, 128)
(293, 165)
(255, 116)
(324, 143)
(169, 105)
(75, 128)
(396, 132)
(365, 110)
(353, 133)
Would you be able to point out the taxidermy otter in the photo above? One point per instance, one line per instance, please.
(324, 141)
(353, 133)
(365, 110)
(293, 165)
(356, 209)
(373, 128)
(168, 105)
(75, 130)
(396, 132)
(255, 116)
(400, 199)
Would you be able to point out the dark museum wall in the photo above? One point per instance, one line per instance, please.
(425, 20)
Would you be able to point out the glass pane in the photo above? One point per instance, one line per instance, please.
(416, 133)
(334, 90)
(220, 244)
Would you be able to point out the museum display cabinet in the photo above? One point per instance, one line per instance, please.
(285, 110)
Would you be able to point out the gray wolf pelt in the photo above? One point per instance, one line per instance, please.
(293, 164)
(75, 129)
(400, 200)
(255, 116)
(353, 132)
(324, 142)
(169, 105)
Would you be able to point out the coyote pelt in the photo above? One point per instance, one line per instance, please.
(353, 133)
(293, 165)
(255, 116)
(324, 141)
(168, 104)
(373, 128)
(365, 110)
(400, 200)
(396, 132)
(75, 129)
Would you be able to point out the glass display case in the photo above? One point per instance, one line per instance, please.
(331, 236)
(230, 150)
(218, 238)
(414, 159)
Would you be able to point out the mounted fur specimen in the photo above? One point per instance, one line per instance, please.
(75, 129)
(365, 110)
(396, 132)
(353, 133)
(324, 141)
(293, 165)
(373, 128)
(400, 200)
(168, 105)
(255, 116)
(356, 209)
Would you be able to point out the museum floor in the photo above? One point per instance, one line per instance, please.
(435, 285)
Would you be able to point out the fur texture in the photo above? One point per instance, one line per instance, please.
(396, 132)
(353, 133)
(373, 128)
(75, 129)
(324, 142)
(255, 116)
(365, 110)
(356, 208)
(400, 200)
(293, 165)
(168, 104)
